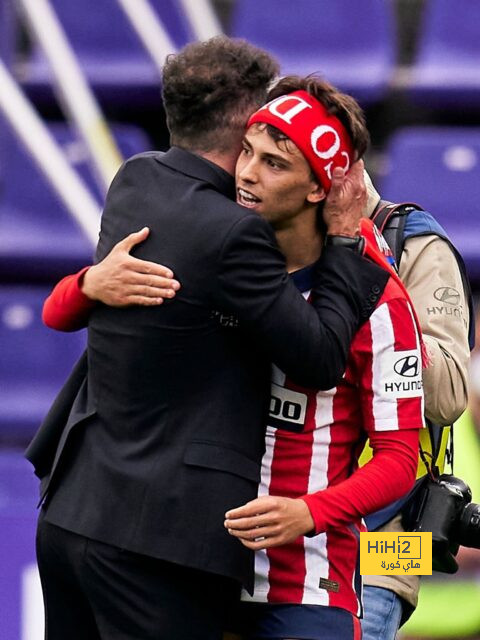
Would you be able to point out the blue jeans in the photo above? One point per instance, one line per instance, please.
(382, 612)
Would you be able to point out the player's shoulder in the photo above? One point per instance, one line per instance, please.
(392, 321)
(393, 297)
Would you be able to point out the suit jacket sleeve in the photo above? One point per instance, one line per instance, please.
(308, 342)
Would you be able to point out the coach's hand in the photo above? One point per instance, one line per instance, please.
(120, 279)
(269, 521)
(346, 201)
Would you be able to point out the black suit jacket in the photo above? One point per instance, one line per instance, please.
(166, 431)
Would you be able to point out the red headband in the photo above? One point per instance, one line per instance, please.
(320, 136)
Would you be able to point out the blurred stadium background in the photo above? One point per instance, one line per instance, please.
(414, 65)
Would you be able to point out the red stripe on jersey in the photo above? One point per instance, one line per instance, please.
(290, 473)
(357, 629)
(408, 411)
(342, 550)
(362, 372)
(406, 336)
(287, 572)
(342, 545)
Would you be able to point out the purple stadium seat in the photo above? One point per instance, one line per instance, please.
(112, 56)
(34, 364)
(438, 168)
(6, 53)
(7, 31)
(18, 515)
(446, 72)
(350, 43)
(39, 240)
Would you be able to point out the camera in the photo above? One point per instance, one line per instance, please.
(444, 506)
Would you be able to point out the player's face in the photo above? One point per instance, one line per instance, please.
(274, 179)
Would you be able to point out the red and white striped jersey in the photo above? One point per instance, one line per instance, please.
(313, 441)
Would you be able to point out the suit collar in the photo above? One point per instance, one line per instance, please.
(200, 168)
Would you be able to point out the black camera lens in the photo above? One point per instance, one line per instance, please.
(469, 526)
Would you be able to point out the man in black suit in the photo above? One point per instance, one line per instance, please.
(166, 431)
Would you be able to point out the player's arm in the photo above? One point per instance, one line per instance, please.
(432, 276)
(388, 476)
(67, 308)
(392, 416)
(118, 280)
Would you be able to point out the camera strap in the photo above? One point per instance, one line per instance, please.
(438, 450)
(430, 469)
(449, 451)
(390, 219)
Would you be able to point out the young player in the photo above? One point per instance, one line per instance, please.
(306, 522)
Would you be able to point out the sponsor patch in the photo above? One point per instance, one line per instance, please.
(329, 585)
(225, 320)
(448, 295)
(401, 374)
(287, 409)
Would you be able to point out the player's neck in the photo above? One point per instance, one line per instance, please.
(301, 243)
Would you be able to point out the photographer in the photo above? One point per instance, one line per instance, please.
(435, 278)
(449, 608)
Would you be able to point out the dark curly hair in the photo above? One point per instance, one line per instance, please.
(346, 108)
(209, 89)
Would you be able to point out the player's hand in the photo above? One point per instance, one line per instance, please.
(346, 201)
(120, 279)
(269, 521)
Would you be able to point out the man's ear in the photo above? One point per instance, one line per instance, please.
(316, 194)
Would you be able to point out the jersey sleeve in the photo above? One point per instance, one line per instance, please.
(388, 476)
(387, 361)
(67, 308)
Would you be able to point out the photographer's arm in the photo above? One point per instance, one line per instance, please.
(430, 272)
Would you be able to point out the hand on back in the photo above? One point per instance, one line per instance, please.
(120, 280)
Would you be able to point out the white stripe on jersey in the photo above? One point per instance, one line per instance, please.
(262, 563)
(383, 340)
(316, 561)
(359, 608)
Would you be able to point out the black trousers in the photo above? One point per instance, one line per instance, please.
(94, 591)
